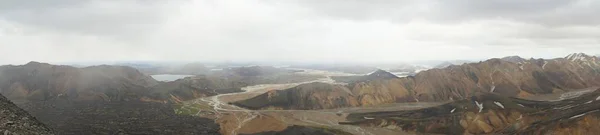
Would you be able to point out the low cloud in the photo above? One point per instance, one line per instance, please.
(294, 30)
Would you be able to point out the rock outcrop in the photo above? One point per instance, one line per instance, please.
(15, 121)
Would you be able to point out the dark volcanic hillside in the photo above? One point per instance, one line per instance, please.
(487, 113)
(15, 121)
(530, 77)
(40, 81)
(130, 117)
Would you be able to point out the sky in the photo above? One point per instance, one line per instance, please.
(294, 30)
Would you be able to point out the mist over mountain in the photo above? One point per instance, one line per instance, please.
(299, 67)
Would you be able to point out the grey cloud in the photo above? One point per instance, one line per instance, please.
(295, 30)
(546, 12)
(116, 18)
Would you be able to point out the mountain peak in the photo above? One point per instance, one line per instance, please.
(35, 63)
(515, 59)
(580, 57)
(379, 73)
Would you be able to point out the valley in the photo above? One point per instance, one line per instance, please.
(498, 96)
(299, 67)
(239, 120)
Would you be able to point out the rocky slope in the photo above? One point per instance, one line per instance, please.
(15, 121)
(531, 77)
(119, 117)
(488, 113)
(40, 81)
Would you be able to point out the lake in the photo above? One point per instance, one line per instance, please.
(169, 77)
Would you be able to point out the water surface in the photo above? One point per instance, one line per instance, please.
(169, 77)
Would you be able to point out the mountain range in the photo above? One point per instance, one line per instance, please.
(41, 81)
(521, 78)
(36, 81)
(495, 96)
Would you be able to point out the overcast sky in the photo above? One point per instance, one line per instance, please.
(294, 30)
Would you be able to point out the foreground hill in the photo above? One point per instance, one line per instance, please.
(488, 113)
(506, 78)
(118, 117)
(15, 121)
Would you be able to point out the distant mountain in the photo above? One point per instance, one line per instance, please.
(515, 59)
(41, 81)
(450, 63)
(15, 121)
(381, 74)
(378, 74)
(185, 69)
(256, 71)
(228, 80)
(353, 69)
(407, 69)
(530, 77)
(305, 96)
(581, 57)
